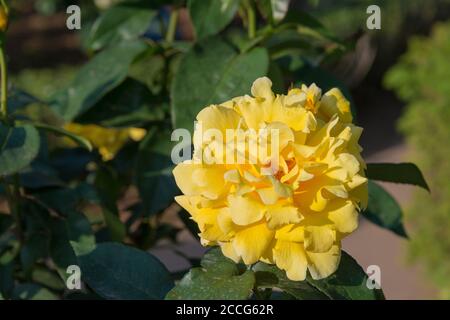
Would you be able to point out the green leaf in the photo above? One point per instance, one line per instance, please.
(80, 233)
(269, 276)
(18, 99)
(301, 36)
(69, 236)
(349, 282)
(36, 235)
(275, 74)
(60, 250)
(307, 24)
(9, 247)
(216, 263)
(218, 279)
(45, 277)
(241, 41)
(6, 221)
(65, 200)
(274, 10)
(130, 104)
(82, 142)
(115, 271)
(120, 23)
(40, 175)
(211, 16)
(289, 43)
(34, 248)
(384, 211)
(154, 177)
(212, 72)
(108, 186)
(32, 291)
(18, 147)
(70, 231)
(116, 228)
(103, 73)
(6, 278)
(407, 173)
(150, 69)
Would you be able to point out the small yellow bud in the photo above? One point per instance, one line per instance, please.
(137, 134)
(3, 19)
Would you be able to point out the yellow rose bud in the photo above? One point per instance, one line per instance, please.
(293, 214)
(137, 134)
(108, 141)
(3, 20)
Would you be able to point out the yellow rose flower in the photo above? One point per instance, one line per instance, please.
(295, 216)
(108, 141)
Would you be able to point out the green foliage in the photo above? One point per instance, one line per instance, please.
(220, 71)
(346, 16)
(383, 210)
(120, 23)
(211, 16)
(18, 99)
(421, 79)
(102, 74)
(115, 271)
(219, 278)
(81, 141)
(19, 146)
(32, 291)
(38, 84)
(108, 191)
(407, 173)
(154, 173)
(269, 277)
(131, 104)
(347, 283)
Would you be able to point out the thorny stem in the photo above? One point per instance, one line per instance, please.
(4, 85)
